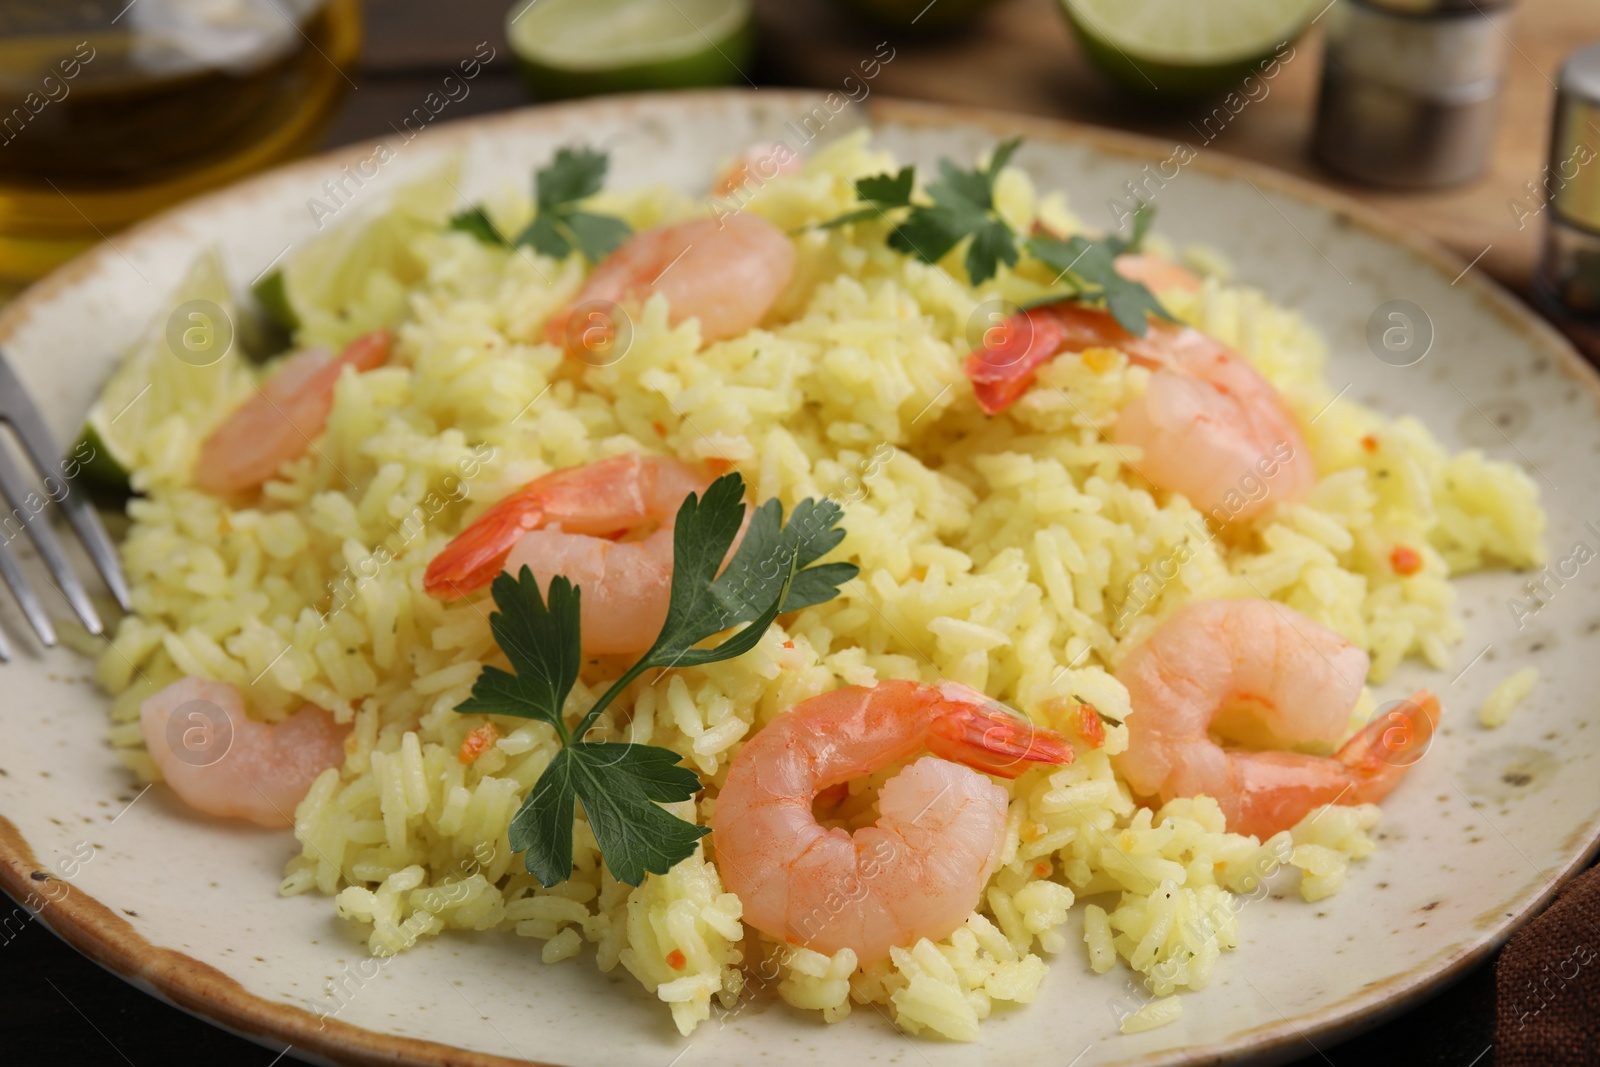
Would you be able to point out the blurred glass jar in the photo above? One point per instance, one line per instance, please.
(110, 110)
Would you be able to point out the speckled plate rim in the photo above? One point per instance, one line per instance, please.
(99, 933)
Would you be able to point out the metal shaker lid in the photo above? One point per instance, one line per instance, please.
(1573, 172)
(1431, 58)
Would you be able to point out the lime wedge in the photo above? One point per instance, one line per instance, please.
(185, 374)
(354, 276)
(566, 48)
(103, 472)
(1185, 47)
(274, 300)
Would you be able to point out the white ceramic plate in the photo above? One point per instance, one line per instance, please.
(1478, 836)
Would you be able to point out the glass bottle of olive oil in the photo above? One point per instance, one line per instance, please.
(111, 109)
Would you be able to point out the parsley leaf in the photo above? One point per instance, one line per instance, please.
(1132, 304)
(621, 786)
(534, 637)
(888, 190)
(975, 186)
(930, 232)
(618, 785)
(757, 586)
(1090, 268)
(962, 208)
(628, 823)
(574, 173)
(545, 236)
(992, 243)
(476, 222)
(812, 532)
(704, 604)
(559, 225)
(596, 235)
(882, 193)
(1142, 216)
(1093, 263)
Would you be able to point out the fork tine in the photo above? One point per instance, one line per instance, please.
(16, 493)
(17, 408)
(12, 573)
(92, 533)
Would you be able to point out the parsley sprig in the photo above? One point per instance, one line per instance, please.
(620, 784)
(882, 193)
(559, 224)
(962, 209)
(1089, 267)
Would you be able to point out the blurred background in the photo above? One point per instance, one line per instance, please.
(1438, 111)
(1443, 113)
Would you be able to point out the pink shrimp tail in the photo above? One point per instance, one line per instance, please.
(1012, 352)
(599, 499)
(760, 163)
(993, 740)
(1278, 789)
(1004, 367)
(367, 352)
(1379, 755)
(478, 553)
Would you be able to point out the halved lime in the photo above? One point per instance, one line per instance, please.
(1186, 47)
(566, 48)
(178, 380)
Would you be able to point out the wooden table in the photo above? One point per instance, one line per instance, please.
(1021, 56)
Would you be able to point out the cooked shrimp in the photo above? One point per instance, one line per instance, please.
(282, 420)
(564, 523)
(726, 272)
(1208, 424)
(1260, 675)
(759, 163)
(921, 869)
(1156, 273)
(220, 761)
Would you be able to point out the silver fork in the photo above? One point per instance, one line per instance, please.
(17, 409)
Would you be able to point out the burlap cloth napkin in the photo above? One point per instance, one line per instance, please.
(1547, 984)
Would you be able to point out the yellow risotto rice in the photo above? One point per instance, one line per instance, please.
(1018, 554)
(1504, 698)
